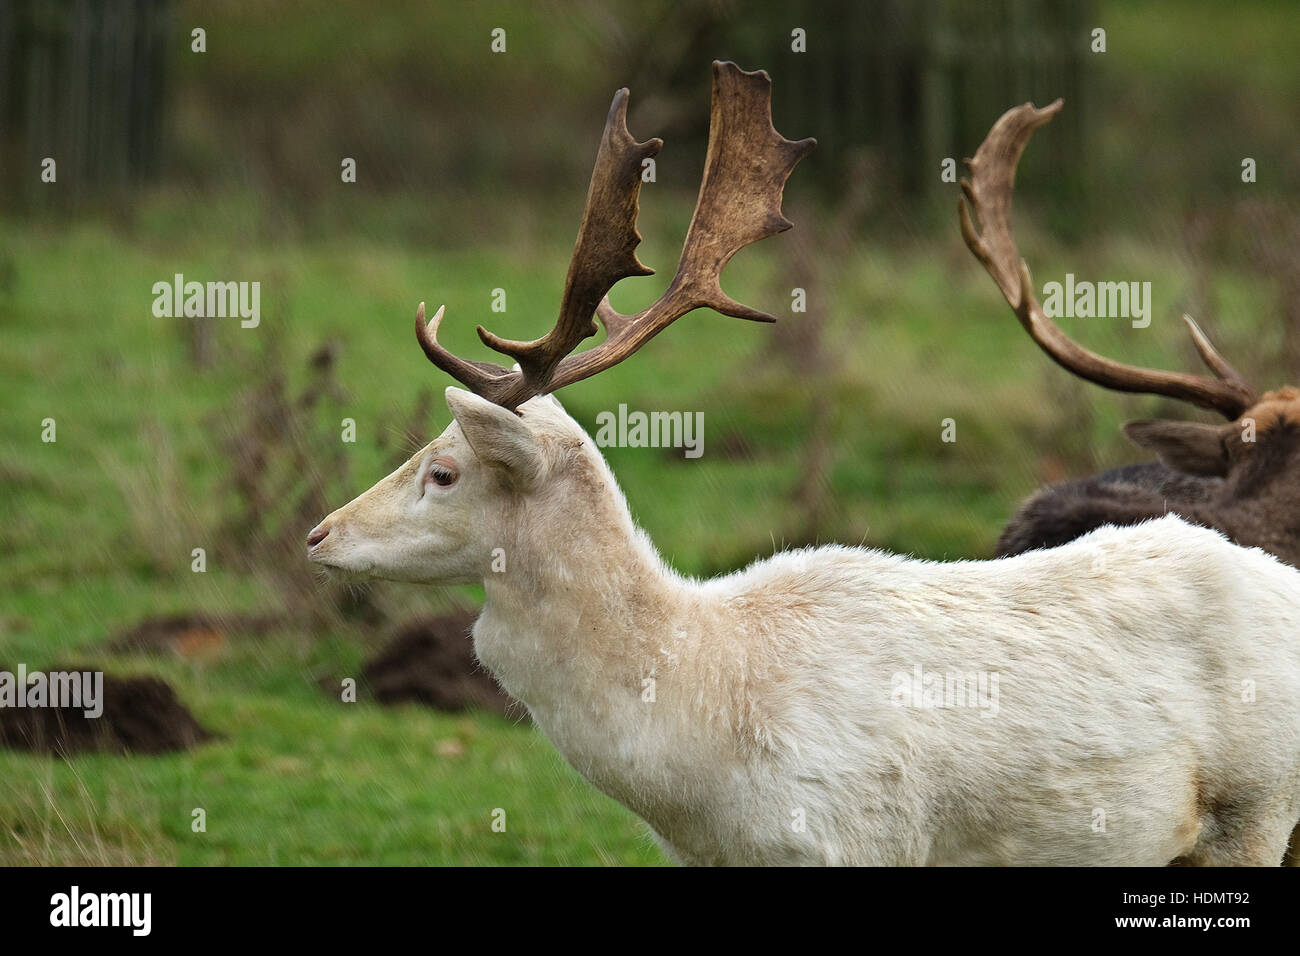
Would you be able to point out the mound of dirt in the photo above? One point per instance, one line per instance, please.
(430, 661)
(141, 715)
(190, 635)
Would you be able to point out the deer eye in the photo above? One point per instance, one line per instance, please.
(441, 472)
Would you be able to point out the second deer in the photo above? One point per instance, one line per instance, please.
(1241, 477)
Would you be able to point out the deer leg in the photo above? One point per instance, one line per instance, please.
(1292, 857)
(1259, 839)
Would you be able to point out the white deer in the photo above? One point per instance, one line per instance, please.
(1138, 689)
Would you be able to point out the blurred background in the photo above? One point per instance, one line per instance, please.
(177, 434)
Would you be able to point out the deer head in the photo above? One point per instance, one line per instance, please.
(512, 458)
(1261, 442)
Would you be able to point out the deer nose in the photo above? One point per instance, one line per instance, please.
(317, 535)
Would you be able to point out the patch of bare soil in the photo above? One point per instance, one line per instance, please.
(191, 635)
(430, 661)
(140, 715)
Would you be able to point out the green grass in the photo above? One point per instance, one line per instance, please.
(297, 778)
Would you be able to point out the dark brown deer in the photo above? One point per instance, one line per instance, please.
(1242, 477)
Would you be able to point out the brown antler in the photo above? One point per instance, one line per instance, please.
(745, 171)
(989, 190)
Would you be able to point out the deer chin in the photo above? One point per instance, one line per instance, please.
(345, 554)
(346, 558)
(344, 566)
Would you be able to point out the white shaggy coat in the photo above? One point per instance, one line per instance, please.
(1147, 679)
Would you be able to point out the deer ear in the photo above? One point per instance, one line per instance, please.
(498, 437)
(1190, 447)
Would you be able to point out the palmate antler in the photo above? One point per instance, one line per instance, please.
(989, 191)
(745, 171)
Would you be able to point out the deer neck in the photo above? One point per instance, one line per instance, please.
(623, 664)
(581, 608)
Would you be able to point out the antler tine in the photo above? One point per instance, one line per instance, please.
(739, 203)
(989, 192)
(1211, 357)
(483, 378)
(604, 253)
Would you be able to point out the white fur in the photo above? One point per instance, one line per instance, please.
(1148, 677)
